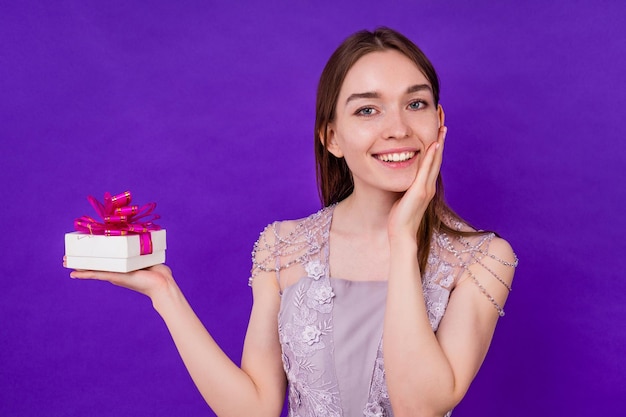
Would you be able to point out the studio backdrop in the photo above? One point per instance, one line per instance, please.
(207, 109)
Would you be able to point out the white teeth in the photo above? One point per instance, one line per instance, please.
(396, 157)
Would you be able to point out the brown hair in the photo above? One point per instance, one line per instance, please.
(334, 178)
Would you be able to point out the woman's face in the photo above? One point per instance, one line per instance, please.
(385, 120)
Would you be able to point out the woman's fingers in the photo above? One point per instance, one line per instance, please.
(429, 169)
(423, 186)
(412, 205)
(145, 281)
(436, 166)
(98, 275)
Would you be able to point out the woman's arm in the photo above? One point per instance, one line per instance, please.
(258, 387)
(427, 373)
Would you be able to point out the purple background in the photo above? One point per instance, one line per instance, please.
(207, 108)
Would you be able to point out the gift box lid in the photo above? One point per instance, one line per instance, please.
(99, 246)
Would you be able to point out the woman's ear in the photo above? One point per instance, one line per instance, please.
(331, 141)
(441, 115)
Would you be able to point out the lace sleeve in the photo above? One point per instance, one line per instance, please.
(464, 252)
(284, 244)
(263, 258)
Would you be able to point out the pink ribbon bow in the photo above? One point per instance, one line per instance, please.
(121, 219)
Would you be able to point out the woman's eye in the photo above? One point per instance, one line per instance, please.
(416, 105)
(365, 111)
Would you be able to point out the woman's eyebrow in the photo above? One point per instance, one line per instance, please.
(373, 94)
(418, 87)
(356, 96)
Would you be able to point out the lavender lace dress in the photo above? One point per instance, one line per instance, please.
(331, 329)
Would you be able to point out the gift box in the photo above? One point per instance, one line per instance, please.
(126, 239)
(113, 253)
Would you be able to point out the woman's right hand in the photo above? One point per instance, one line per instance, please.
(149, 281)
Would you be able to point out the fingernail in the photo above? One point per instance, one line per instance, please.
(72, 275)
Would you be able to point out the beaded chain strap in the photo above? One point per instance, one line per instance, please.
(296, 247)
(469, 251)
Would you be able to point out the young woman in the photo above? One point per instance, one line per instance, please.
(384, 302)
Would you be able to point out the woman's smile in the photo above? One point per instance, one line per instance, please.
(396, 159)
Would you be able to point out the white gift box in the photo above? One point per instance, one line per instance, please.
(112, 253)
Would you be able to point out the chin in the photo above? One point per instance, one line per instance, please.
(399, 189)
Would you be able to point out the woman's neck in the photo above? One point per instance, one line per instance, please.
(364, 213)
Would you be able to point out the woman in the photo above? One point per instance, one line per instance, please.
(385, 264)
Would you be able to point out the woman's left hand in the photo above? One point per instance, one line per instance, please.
(406, 214)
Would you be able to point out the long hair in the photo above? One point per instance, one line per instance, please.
(334, 178)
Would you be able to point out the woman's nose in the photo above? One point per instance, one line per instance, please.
(396, 127)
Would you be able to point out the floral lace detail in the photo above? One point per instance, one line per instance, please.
(315, 269)
(437, 284)
(320, 297)
(298, 247)
(307, 333)
(305, 324)
(373, 410)
(378, 403)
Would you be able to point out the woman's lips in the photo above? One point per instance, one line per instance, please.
(395, 156)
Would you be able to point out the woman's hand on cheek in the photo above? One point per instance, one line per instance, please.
(406, 214)
(149, 281)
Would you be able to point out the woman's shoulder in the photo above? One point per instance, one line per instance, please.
(465, 244)
(287, 232)
(288, 242)
(313, 222)
(480, 256)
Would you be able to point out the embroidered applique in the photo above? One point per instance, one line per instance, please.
(378, 403)
(305, 328)
(315, 269)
